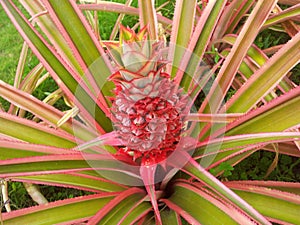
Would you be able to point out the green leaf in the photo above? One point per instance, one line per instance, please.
(84, 40)
(32, 132)
(273, 206)
(197, 171)
(181, 32)
(59, 212)
(199, 206)
(55, 66)
(170, 217)
(279, 115)
(201, 36)
(265, 79)
(232, 63)
(73, 180)
(148, 17)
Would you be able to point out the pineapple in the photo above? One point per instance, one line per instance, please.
(148, 107)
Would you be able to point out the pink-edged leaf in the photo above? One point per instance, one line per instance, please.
(69, 210)
(281, 202)
(231, 17)
(238, 142)
(148, 17)
(74, 180)
(284, 110)
(287, 14)
(182, 27)
(289, 197)
(254, 59)
(65, 76)
(178, 209)
(198, 42)
(170, 217)
(266, 78)
(213, 118)
(198, 172)
(231, 64)
(18, 149)
(32, 132)
(137, 213)
(66, 163)
(37, 11)
(120, 8)
(148, 175)
(116, 207)
(44, 111)
(84, 44)
(290, 187)
(203, 206)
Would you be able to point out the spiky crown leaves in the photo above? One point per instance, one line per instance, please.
(135, 53)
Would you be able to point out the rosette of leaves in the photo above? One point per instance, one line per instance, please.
(132, 102)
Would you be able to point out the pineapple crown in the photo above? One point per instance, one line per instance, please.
(135, 52)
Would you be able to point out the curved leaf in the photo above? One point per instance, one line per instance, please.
(198, 172)
(278, 115)
(231, 64)
(32, 132)
(44, 111)
(198, 207)
(281, 206)
(64, 75)
(266, 78)
(114, 211)
(76, 210)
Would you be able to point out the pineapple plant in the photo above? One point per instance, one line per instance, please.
(135, 138)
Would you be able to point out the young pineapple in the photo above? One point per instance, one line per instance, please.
(149, 108)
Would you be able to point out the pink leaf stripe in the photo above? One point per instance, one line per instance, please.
(37, 126)
(291, 95)
(34, 147)
(119, 8)
(108, 207)
(230, 210)
(268, 188)
(237, 141)
(26, 211)
(49, 68)
(180, 211)
(148, 174)
(213, 118)
(198, 172)
(109, 164)
(44, 111)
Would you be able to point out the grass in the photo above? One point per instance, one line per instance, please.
(10, 47)
(254, 167)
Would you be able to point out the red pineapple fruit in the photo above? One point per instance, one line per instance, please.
(149, 107)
